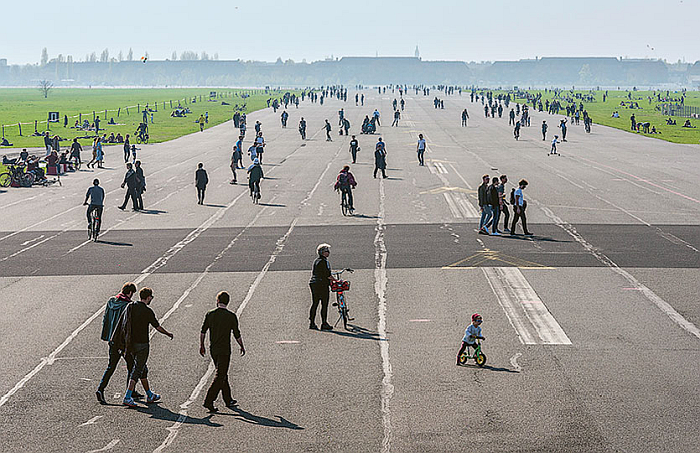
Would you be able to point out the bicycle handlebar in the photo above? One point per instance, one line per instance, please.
(341, 271)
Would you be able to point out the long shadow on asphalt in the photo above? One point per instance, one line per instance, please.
(489, 367)
(519, 237)
(252, 419)
(161, 413)
(364, 216)
(215, 205)
(152, 211)
(273, 205)
(356, 332)
(119, 244)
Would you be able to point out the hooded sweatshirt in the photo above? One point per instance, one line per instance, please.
(113, 311)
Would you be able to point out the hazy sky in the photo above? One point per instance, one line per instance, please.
(469, 30)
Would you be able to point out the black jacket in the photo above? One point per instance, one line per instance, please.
(483, 195)
(200, 178)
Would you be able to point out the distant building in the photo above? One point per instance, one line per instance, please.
(417, 53)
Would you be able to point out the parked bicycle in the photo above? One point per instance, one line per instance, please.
(339, 287)
(16, 176)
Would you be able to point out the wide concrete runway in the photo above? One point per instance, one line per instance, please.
(591, 324)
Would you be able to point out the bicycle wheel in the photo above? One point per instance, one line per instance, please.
(481, 359)
(96, 228)
(344, 315)
(5, 179)
(463, 358)
(27, 180)
(344, 204)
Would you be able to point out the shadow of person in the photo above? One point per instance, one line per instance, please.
(247, 417)
(489, 367)
(120, 244)
(152, 211)
(356, 332)
(162, 413)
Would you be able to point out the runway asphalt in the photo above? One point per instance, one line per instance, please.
(590, 324)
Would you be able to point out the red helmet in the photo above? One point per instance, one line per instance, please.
(476, 316)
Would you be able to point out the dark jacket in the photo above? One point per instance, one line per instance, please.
(113, 311)
(200, 178)
(380, 158)
(321, 272)
(483, 195)
(255, 173)
(140, 179)
(493, 196)
(130, 179)
(122, 337)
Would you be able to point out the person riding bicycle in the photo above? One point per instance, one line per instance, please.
(255, 174)
(96, 194)
(471, 334)
(345, 183)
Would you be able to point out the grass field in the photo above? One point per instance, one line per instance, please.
(601, 112)
(28, 105)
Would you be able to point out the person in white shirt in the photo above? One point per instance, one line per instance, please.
(471, 334)
(519, 208)
(420, 148)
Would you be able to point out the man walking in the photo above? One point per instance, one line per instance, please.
(380, 158)
(420, 149)
(397, 117)
(504, 206)
(354, 148)
(200, 181)
(110, 321)
(544, 130)
(327, 127)
(519, 207)
(140, 185)
(302, 128)
(134, 336)
(127, 149)
(220, 322)
(465, 117)
(485, 206)
(131, 185)
(495, 202)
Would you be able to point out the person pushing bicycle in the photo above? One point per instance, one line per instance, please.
(471, 334)
(345, 183)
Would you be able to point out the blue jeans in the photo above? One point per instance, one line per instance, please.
(486, 215)
(496, 216)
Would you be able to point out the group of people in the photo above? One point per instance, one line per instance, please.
(125, 328)
(492, 202)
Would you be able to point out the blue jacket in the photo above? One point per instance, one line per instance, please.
(113, 311)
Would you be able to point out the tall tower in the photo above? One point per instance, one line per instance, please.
(416, 53)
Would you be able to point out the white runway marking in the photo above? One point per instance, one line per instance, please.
(380, 281)
(107, 447)
(514, 362)
(92, 420)
(452, 205)
(664, 306)
(31, 240)
(524, 308)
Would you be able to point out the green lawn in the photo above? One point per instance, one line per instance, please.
(601, 112)
(27, 105)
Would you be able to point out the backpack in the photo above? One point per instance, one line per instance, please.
(342, 182)
(512, 196)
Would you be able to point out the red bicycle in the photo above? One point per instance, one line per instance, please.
(339, 287)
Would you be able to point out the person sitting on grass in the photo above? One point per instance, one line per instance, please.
(4, 142)
(111, 121)
(119, 138)
(687, 124)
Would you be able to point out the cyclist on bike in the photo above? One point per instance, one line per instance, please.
(255, 174)
(96, 194)
(345, 183)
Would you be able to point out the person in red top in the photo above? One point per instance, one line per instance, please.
(345, 183)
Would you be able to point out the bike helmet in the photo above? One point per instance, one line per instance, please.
(476, 316)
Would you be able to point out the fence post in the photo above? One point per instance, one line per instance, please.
(105, 117)
(127, 110)
(3, 130)
(20, 128)
(80, 119)
(35, 126)
(138, 107)
(119, 111)
(171, 104)
(93, 115)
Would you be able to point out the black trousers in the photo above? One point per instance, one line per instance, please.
(139, 198)
(353, 151)
(114, 357)
(200, 194)
(319, 293)
(506, 215)
(220, 383)
(131, 192)
(519, 215)
(382, 169)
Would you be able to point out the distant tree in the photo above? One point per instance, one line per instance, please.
(130, 55)
(174, 56)
(120, 57)
(44, 56)
(188, 55)
(104, 57)
(205, 56)
(93, 57)
(279, 60)
(60, 58)
(216, 55)
(45, 87)
(585, 75)
(69, 59)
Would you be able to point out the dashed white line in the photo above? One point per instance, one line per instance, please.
(514, 362)
(107, 447)
(92, 420)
